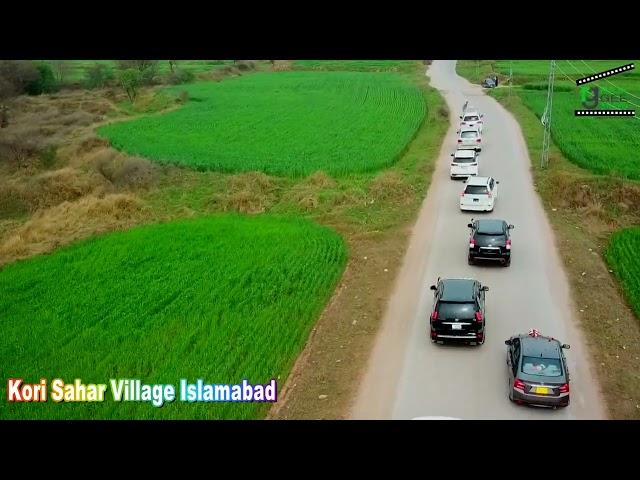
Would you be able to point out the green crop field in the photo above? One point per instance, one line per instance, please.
(601, 145)
(221, 298)
(288, 123)
(622, 255)
(358, 65)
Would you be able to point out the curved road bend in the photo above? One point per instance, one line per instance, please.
(408, 376)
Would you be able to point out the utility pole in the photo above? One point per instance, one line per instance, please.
(546, 116)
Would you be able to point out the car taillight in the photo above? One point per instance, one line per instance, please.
(459, 140)
(478, 316)
(462, 194)
(478, 140)
(564, 388)
(433, 334)
(508, 244)
(517, 383)
(434, 315)
(472, 242)
(490, 195)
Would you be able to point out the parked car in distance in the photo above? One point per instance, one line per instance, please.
(479, 194)
(538, 373)
(458, 311)
(490, 240)
(464, 164)
(469, 137)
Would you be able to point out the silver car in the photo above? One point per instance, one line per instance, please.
(469, 138)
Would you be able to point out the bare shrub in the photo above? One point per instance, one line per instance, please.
(123, 171)
(320, 179)
(390, 185)
(252, 192)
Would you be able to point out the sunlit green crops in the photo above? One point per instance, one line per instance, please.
(221, 298)
(288, 123)
(622, 255)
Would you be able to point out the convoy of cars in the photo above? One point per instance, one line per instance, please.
(537, 368)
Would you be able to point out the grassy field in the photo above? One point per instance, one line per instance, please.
(622, 254)
(601, 145)
(221, 298)
(586, 210)
(289, 123)
(357, 65)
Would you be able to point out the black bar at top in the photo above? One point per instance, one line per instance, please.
(605, 73)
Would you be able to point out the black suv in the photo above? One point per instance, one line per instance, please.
(538, 372)
(458, 311)
(490, 240)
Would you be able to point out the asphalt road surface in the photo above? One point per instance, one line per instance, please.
(407, 375)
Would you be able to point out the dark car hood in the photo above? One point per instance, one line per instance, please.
(490, 240)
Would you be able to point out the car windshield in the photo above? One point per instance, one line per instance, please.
(472, 118)
(451, 310)
(542, 367)
(476, 190)
(469, 134)
(494, 235)
(464, 159)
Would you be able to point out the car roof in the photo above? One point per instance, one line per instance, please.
(465, 153)
(490, 225)
(474, 128)
(473, 180)
(457, 290)
(545, 347)
(471, 112)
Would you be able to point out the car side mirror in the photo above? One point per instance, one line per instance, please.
(460, 116)
(482, 115)
(497, 181)
(433, 287)
(566, 345)
(452, 154)
(485, 289)
(507, 342)
(470, 225)
(511, 227)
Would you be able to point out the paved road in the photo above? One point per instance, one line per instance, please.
(407, 375)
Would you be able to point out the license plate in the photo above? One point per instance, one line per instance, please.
(542, 390)
(456, 327)
(476, 199)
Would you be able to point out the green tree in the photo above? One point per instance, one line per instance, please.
(98, 75)
(44, 83)
(130, 81)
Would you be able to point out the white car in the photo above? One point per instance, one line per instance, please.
(479, 194)
(472, 118)
(464, 164)
(469, 138)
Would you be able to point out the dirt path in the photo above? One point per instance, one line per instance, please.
(407, 375)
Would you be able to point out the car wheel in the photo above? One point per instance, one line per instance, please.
(506, 263)
(470, 260)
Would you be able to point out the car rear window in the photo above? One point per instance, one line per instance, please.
(464, 160)
(471, 118)
(469, 134)
(542, 367)
(451, 310)
(476, 190)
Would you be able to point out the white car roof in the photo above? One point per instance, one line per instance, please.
(465, 153)
(473, 180)
(469, 113)
(470, 129)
